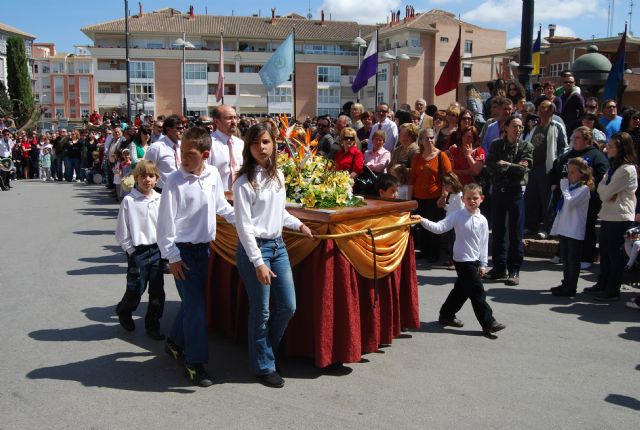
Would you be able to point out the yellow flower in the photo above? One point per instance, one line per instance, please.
(309, 200)
(341, 199)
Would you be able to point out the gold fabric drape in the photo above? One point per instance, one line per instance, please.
(390, 244)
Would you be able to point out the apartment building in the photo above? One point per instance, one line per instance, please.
(63, 85)
(7, 31)
(326, 60)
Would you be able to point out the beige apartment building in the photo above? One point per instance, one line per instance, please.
(326, 60)
(63, 84)
(7, 31)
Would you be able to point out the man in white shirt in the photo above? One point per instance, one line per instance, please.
(226, 148)
(386, 125)
(165, 153)
(156, 131)
(6, 146)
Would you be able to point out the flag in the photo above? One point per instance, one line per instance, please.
(616, 74)
(220, 88)
(451, 73)
(369, 65)
(280, 66)
(535, 59)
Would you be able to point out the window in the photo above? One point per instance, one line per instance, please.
(141, 70)
(59, 112)
(35, 68)
(57, 67)
(329, 96)
(280, 95)
(382, 75)
(328, 74)
(249, 68)
(46, 83)
(444, 39)
(230, 89)
(443, 63)
(45, 97)
(70, 67)
(72, 112)
(543, 71)
(468, 46)
(195, 71)
(58, 85)
(332, 112)
(155, 45)
(142, 91)
(83, 68)
(45, 68)
(84, 90)
(414, 42)
(557, 68)
(104, 90)
(466, 70)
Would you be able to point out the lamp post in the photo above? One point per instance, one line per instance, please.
(184, 43)
(396, 58)
(360, 43)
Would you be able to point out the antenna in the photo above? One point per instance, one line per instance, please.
(610, 13)
(630, 14)
(309, 16)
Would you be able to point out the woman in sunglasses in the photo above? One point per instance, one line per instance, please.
(349, 157)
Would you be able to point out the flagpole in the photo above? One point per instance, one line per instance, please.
(375, 97)
(459, 65)
(222, 64)
(293, 90)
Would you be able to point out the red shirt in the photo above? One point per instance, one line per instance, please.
(460, 162)
(26, 148)
(352, 160)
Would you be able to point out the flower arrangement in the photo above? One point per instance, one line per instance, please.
(311, 179)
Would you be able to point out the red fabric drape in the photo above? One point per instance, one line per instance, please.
(335, 320)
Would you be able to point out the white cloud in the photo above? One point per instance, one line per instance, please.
(561, 30)
(508, 12)
(513, 42)
(364, 12)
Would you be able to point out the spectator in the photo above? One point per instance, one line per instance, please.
(468, 158)
(364, 132)
(590, 120)
(610, 120)
(385, 124)
(377, 158)
(474, 105)
(327, 145)
(350, 157)
(572, 104)
(356, 113)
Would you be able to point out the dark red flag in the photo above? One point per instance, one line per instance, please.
(451, 73)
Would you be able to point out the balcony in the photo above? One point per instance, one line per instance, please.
(112, 100)
(119, 76)
(235, 78)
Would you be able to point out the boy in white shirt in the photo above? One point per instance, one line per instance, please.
(191, 198)
(469, 258)
(136, 234)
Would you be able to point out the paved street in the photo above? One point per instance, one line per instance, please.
(66, 363)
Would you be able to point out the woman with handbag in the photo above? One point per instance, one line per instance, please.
(425, 186)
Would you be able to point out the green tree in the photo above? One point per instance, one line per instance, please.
(5, 102)
(19, 81)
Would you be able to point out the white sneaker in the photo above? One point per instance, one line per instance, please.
(584, 265)
(555, 259)
(632, 305)
(541, 235)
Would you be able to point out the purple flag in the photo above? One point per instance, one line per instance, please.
(369, 65)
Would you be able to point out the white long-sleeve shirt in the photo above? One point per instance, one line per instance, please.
(454, 204)
(219, 156)
(163, 155)
(472, 234)
(571, 221)
(137, 220)
(188, 209)
(260, 213)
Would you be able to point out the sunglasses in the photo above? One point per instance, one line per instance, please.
(465, 118)
(349, 138)
(592, 106)
(611, 107)
(568, 82)
(383, 111)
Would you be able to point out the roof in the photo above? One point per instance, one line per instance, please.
(429, 21)
(8, 29)
(247, 27)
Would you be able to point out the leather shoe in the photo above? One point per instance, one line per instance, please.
(451, 322)
(592, 290)
(272, 380)
(493, 328)
(126, 321)
(513, 279)
(155, 334)
(605, 296)
(495, 274)
(559, 291)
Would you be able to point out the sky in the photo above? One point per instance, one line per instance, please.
(60, 21)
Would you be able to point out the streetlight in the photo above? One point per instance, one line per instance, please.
(360, 43)
(184, 43)
(396, 58)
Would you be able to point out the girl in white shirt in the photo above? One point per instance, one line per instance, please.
(259, 203)
(570, 222)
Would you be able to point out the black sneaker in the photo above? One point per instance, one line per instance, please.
(272, 380)
(126, 321)
(593, 290)
(605, 296)
(513, 279)
(496, 275)
(560, 291)
(455, 322)
(493, 328)
(198, 375)
(155, 334)
(174, 351)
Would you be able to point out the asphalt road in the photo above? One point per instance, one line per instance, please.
(66, 363)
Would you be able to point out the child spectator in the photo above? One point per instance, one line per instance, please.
(45, 165)
(136, 234)
(470, 260)
(387, 186)
(401, 172)
(262, 259)
(570, 222)
(191, 198)
(632, 246)
(453, 187)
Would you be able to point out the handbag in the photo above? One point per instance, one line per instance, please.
(365, 183)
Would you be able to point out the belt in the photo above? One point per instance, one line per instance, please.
(192, 245)
(142, 248)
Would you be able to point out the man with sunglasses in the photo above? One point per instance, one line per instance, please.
(591, 105)
(165, 153)
(385, 124)
(572, 104)
(610, 120)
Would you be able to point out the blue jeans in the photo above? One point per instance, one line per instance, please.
(570, 252)
(189, 330)
(267, 328)
(507, 209)
(144, 267)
